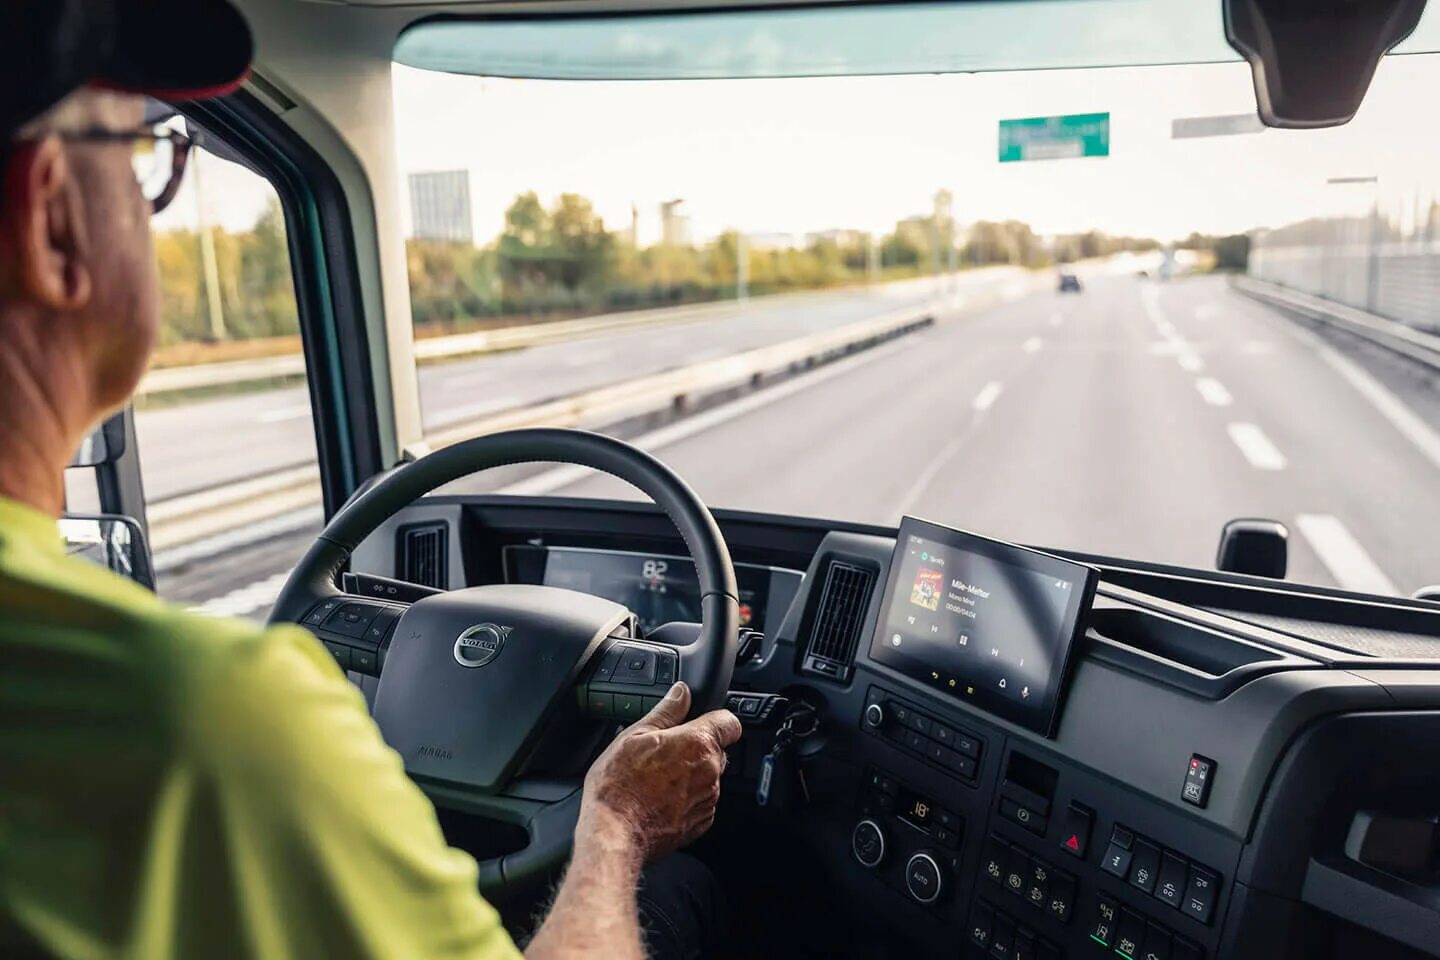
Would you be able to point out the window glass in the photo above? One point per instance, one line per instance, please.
(226, 437)
(1026, 303)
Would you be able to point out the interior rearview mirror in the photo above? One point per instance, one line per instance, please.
(1312, 60)
(113, 541)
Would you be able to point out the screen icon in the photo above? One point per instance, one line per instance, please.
(895, 640)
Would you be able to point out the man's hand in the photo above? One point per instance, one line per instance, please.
(655, 787)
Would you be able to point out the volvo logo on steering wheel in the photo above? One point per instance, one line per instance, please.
(480, 644)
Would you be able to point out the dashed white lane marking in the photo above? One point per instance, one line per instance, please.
(1190, 361)
(1056, 319)
(282, 414)
(248, 599)
(1257, 348)
(1214, 392)
(1206, 311)
(987, 396)
(1257, 448)
(1391, 407)
(1347, 561)
(1032, 345)
(559, 477)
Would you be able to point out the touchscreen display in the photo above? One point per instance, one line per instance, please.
(988, 622)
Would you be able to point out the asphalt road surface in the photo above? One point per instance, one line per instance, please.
(200, 445)
(1133, 420)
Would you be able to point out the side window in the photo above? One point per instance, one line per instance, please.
(223, 419)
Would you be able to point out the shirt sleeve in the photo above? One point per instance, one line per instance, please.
(301, 826)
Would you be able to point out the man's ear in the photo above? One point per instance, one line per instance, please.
(43, 219)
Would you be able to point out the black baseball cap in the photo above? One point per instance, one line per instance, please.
(167, 49)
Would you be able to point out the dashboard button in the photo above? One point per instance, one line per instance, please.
(886, 783)
(1182, 949)
(913, 741)
(1128, 933)
(747, 707)
(1200, 891)
(935, 752)
(1024, 948)
(1017, 870)
(1002, 937)
(946, 837)
(982, 918)
(1199, 774)
(1037, 887)
(947, 819)
(900, 712)
(959, 764)
(919, 723)
(1062, 896)
(1023, 815)
(1156, 945)
(874, 716)
(1116, 861)
(1170, 886)
(993, 859)
(943, 735)
(1144, 865)
(1102, 925)
(1075, 830)
(968, 745)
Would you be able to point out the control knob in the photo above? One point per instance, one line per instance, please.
(875, 716)
(923, 878)
(867, 842)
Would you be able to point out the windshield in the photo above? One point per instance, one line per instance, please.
(1044, 305)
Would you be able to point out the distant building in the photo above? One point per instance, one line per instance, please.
(773, 241)
(674, 225)
(440, 206)
(841, 238)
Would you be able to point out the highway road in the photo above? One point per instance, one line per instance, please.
(199, 445)
(1132, 420)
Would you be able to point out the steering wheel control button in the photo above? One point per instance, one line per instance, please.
(922, 878)
(636, 667)
(381, 626)
(340, 652)
(665, 668)
(608, 662)
(1198, 776)
(351, 620)
(1200, 893)
(320, 611)
(480, 644)
(867, 843)
(1075, 830)
(629, 706)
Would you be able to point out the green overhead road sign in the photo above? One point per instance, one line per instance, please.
(1055, 138)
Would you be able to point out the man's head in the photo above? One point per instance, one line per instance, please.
(78, 292)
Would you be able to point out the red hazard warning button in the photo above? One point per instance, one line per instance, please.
(1075, 830)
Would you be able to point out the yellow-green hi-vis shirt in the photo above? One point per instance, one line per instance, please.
(173, 786)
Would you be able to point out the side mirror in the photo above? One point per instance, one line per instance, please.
(105, 444)
(1256, 547)
(113, 541)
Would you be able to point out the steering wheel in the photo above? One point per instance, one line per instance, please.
(473, 679)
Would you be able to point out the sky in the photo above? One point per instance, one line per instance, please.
(794, 156)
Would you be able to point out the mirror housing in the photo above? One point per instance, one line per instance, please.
(113, 541)
(1259, 548)
(105, 444)
(1313, 59)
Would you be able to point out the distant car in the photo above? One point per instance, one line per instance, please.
(1069, 283)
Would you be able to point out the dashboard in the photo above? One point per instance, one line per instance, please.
(1206, 765)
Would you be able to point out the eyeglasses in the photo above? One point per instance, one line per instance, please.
(157, 155)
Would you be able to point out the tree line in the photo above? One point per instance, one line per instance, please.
(561, 259)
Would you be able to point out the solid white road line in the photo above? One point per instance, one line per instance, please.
(1213, 391)
(1032, 345)
(1342, 555)
(1391, 407)
(282, 414)
(1257, 448)
(552, 480)
(987, 396)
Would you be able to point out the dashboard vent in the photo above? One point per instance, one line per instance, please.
(839, 618)
(423, 555)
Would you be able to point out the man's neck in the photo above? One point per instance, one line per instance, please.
(44, 399)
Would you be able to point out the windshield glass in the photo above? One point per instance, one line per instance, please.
(1044, 305)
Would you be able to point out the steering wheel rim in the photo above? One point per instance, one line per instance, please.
(710, 657)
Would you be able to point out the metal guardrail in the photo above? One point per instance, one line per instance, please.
(211, 513)
(1397, 337)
